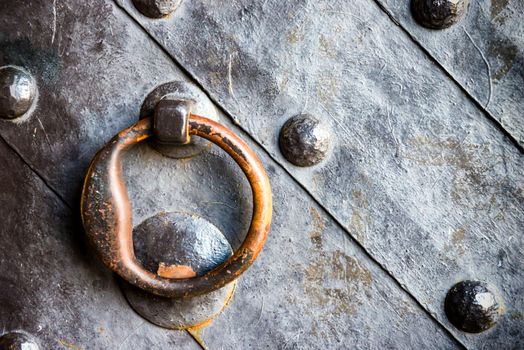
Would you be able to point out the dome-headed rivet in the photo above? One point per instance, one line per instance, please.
(304, 141)
(438, 14)
(472, 307)
(17, 92)
(156, 8)
(17, 341)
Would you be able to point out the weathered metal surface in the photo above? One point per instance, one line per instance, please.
(180, 239)
(51, 285)
(201, 106)
(107, 214)
(17, 92)
(472, 307)
(311, 287)
(304, 141)
(94, 68)
(172, 244)
(419, 175)
(484, 53)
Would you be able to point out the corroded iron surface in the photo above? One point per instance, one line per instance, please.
(107, 217)
(483, 53)
(429, 204)
(421, 176)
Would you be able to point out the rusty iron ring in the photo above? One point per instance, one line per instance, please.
(107, 217)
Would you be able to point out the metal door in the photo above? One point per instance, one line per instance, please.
(394, 153)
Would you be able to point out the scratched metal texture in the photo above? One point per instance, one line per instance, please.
(312, 287)
(51, 286)
(484, 52)
(419, 175)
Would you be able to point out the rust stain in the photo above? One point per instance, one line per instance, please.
(497, 6)
(196, 330)
(175, 271)
(505, 53)
(457, 237)
(334, 281)
(69, 345)
(427, 151)
(359, 221)
(327, 86)
(318, 226)
(326, 47)
(295, 35)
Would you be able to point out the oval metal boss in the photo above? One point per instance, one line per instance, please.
(107, 218)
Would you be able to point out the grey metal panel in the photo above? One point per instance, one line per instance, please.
(91, 85)
(483, 52)
(93, 68)
(418, 174)
(51, 286)
(311, 287)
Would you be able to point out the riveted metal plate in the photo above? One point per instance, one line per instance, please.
(96, 67)
(51, 286)
(421, 177)
(483, 52)
(310, 287)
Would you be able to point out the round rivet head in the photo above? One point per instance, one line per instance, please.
(156, 8)
(17, 341)
(304, 141)
(17, 92)
(472, 307)
(438, 14)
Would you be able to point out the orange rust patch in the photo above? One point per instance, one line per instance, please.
(175, 271)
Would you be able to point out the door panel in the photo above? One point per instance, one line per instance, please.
(53, 287)
(312, 286)
(418, 174)
(93, 69)
(483, 52)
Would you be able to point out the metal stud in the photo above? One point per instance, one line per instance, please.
(438, 14)
(17, 341)
(180, 90)
(472, 307)
(304, 141)
(156, 8)
(17, 92)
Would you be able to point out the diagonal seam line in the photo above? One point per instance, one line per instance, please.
(328, 213)
(475, 101)
(37, 173)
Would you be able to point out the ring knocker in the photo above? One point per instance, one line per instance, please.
(107, 218)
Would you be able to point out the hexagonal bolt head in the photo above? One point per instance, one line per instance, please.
(438, 14)
(472, 307)
(304, 141)
(17, 92)
(156, 8)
